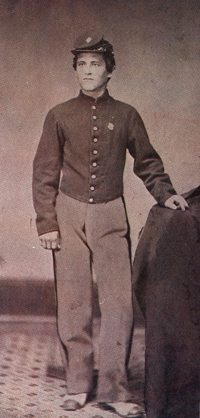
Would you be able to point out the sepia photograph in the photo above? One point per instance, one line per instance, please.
(100, 209)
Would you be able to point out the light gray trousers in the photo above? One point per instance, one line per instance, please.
(94, 236)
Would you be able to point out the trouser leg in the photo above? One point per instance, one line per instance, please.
(106, 231)
(74, 295)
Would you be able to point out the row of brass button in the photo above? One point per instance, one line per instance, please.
(95, 152)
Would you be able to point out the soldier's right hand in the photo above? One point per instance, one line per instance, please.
(50, 240)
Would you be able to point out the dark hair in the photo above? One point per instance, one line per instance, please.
(107, 55)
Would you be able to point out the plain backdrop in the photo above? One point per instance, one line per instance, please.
(157, 52)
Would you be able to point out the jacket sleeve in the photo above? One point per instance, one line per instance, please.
(148, 165)
(46, 176)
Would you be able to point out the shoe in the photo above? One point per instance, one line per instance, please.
(123, 409)
(71, 405)
(74, 402)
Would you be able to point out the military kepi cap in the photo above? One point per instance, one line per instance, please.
(91, 42)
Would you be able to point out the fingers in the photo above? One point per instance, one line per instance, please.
(171, 205)
(43, 243)
(55, 245)
(50, 240)
(49, 244)
(176, 202)
(183, 204)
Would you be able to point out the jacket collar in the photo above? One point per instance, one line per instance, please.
(90, 99)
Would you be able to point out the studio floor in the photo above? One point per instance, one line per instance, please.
(32, 383)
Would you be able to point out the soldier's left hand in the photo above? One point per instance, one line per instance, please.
(176, 202)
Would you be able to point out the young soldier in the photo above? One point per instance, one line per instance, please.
(82, 214)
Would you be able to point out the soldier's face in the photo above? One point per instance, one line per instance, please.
(91, 71)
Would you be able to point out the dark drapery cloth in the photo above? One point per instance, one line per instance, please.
(166, 280)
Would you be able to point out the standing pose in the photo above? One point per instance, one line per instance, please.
(81, 215)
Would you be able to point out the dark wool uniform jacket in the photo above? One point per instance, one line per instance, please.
(82, 151)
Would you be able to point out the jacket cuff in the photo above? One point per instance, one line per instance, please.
(46, 226)
(163, 198)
